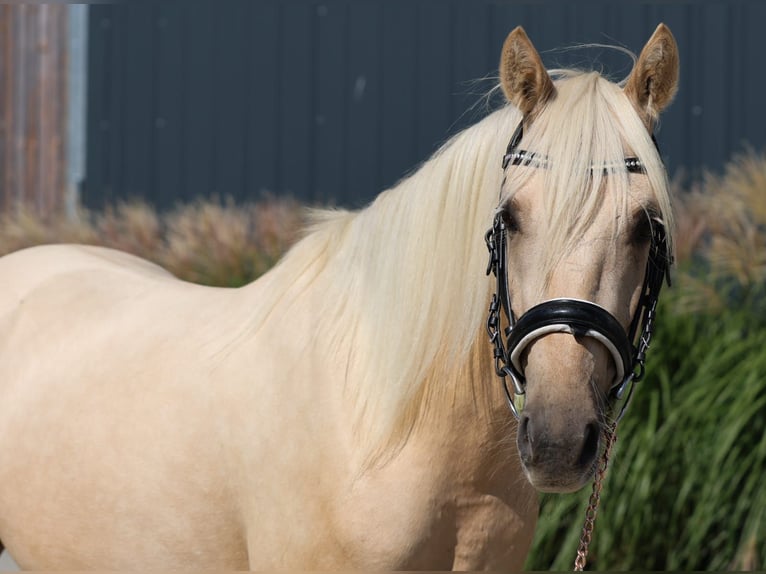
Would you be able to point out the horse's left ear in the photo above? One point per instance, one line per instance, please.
(654, 80)
(523, 77)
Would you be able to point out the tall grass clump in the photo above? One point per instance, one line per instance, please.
(228, 245)
(686, 490)
(208, 242)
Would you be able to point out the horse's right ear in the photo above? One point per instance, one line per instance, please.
(523, 77)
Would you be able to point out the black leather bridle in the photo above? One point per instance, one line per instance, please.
(574, 316)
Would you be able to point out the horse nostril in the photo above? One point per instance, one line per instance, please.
(524, 439)
(590, 444)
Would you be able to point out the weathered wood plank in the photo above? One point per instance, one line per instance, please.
(33, 103)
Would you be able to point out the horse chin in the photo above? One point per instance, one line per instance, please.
(558, 483)
(555, 457)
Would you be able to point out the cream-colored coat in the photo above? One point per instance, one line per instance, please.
(142, 429)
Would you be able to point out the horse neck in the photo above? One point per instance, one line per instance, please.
(391, 300)
(414, 292)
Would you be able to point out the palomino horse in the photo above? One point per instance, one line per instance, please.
(343, 411)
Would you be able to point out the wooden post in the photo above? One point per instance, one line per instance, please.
(33, 105)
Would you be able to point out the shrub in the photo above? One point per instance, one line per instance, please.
(686, 488)
(206, 242)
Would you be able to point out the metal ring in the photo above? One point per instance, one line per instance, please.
(515, 400)
(518, 385)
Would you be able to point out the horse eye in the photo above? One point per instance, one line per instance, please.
(510, 220)
(642, 232)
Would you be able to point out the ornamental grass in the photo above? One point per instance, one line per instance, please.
(210, 242)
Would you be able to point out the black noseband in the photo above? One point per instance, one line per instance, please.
(576, 317)
(573, 316)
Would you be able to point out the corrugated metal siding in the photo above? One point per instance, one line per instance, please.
(332, 101)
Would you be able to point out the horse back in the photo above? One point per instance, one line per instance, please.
(26, 269)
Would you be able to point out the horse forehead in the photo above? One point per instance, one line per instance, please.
(529, 199)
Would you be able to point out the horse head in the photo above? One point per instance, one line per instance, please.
(580, 250)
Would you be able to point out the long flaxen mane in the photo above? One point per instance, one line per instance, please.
(405, 295)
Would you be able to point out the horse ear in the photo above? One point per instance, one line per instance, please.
(654, 80)
(523, 77)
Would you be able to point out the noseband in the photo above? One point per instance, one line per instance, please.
(574, 316)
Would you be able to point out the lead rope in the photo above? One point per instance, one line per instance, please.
(595, 497)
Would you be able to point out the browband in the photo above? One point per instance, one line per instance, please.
(523, 157)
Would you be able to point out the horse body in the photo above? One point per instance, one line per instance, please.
(230, 458)
(341, 411)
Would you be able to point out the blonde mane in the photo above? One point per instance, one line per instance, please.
(405, 296)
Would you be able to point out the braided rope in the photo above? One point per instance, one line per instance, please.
(610, 435)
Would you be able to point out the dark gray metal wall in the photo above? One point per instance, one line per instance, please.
(332, 101)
